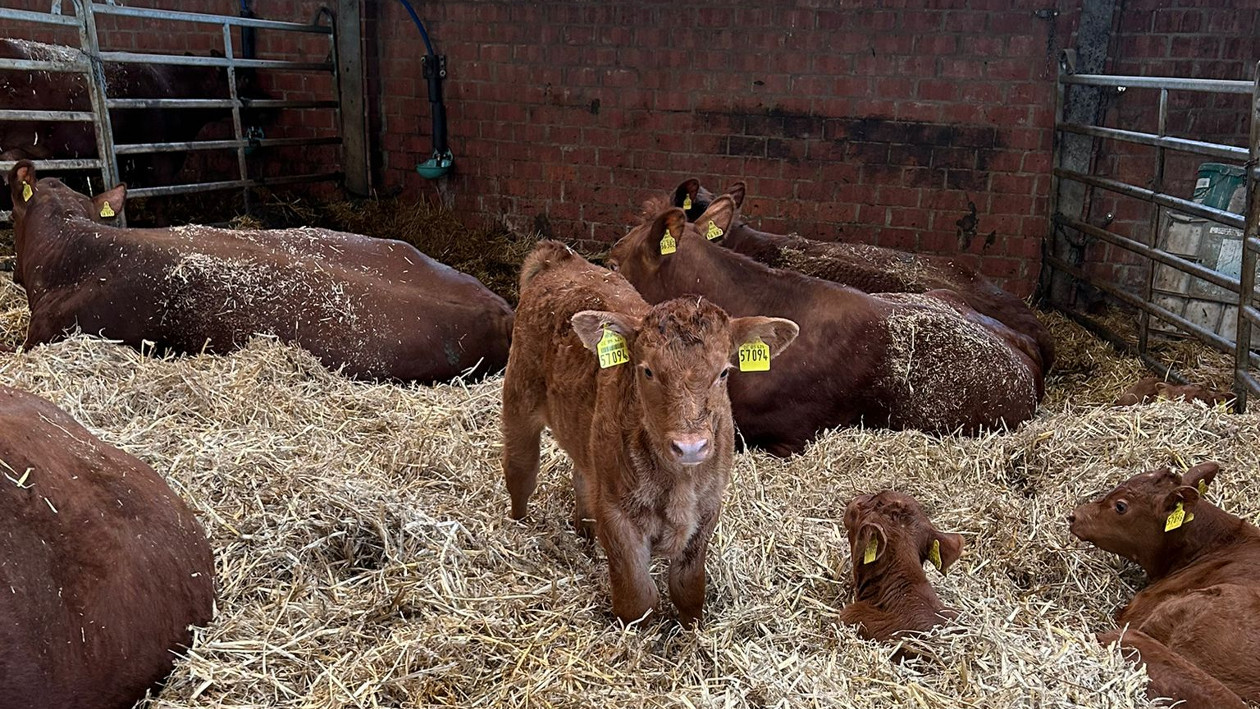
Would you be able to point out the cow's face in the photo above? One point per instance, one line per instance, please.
(680, 354)
(653, 245)
(1133, 519)
(891, 528)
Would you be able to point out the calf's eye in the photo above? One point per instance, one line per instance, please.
(1121, 507)
(647, 372)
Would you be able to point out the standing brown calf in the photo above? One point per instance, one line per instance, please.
(1148, 389)
(376, 308)
(872, 269)
(1197, 624)
(103, 571)
(890, 538)
(650, 434)
(924, 361)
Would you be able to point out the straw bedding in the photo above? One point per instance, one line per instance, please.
(365, 558)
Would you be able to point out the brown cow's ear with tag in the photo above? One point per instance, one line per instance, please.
(777, 333)
(22, 186)
(737, 192)
(685, 194)
(590, 325)
(1201, 476)
(944, 549)
(109, 204)
(870, 544)
(666, 233)
(718, 218)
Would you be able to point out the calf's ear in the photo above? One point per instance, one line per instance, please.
(777, 333)
(665, 234)
(737, 192)
(1201, 476)
(22, 183)
(871, 542)
(685, 194)
(590, 325)
(945, 549)
(718, 218)
(109, 204)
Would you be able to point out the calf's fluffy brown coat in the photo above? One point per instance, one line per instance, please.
(1196, 625)
(651, 439)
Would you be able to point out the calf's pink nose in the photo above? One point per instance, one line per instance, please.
(690, 450)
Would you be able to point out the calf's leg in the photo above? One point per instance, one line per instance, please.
(522, 434)
(1173, 676)
(687, 577)
(629, 557)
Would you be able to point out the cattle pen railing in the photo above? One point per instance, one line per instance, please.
(91, 63)
(1068, 231)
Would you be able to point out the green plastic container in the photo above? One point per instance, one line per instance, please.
(1216, 184)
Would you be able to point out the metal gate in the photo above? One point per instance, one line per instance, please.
(91, 62)
(1068, 230)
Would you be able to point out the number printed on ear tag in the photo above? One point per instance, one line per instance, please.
(714, 231)
(935, 555)
(106, 210)
(612, 350)
(1176, 519)
(754, 356)
(668, 244)
(687, 202)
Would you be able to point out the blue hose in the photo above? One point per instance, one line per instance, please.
(424, 34)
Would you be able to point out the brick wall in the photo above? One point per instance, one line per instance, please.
(880, 123)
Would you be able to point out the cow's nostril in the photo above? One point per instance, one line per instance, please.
(690, 449)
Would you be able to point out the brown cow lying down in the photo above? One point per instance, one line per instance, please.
(104, 568)
(899, 361)
(889, 539)
(1197, 624)
(1149, 389)
(636, 394)
(378, 308)
(871, 269)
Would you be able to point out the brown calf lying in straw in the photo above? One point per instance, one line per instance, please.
(636, 394)
(1197, 625)
(872, 269)
(1149, 389)
(889, 539)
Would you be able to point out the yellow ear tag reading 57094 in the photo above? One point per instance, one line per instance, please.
(754, 356)
(26, 192)
(612, 350)
(934, 556)
(106, 210)
(687, 202)
(714, 231)
(668, 244)
(1176, 518)
(872, 547)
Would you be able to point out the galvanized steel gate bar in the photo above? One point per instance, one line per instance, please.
(1246, 383)
(92, 66)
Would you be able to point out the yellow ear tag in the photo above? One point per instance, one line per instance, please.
(872, 547)
(106, 210)
(714, 231)
(612, 350)
(668, 244)
(754, 356)
(1202, 487)
(934, 556)
(687, 202)
(26, 192)
(1177, 518)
